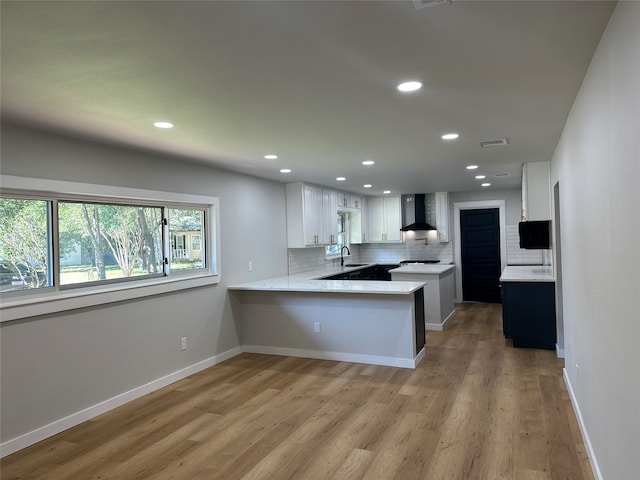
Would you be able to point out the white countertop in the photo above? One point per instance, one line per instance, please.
(423, 268)
(311, 282)
(527, 273)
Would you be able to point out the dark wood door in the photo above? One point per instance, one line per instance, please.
(480, 248)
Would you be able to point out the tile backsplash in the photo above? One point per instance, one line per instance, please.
(520, 256)
(307, 259)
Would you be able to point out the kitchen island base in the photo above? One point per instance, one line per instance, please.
(361, 328)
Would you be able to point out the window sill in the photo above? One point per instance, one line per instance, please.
(27, 306)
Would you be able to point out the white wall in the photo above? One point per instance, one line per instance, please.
(597, 163)
(57, 365)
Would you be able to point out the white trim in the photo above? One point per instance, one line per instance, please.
(39, 434)
(583, 429)
(457, 206)
(434, 327)
(53, 301)
(559, 351)
(337, 356)
(438, 327)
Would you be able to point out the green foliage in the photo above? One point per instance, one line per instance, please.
(23, 238)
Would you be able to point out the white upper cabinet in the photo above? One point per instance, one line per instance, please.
(385, 219)
(329, 225)
(348, 200)
(358, 225)
(536, 191)
(311, 216)
(442, 216)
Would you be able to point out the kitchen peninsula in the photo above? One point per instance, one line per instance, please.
(303, 315)
(438, 291)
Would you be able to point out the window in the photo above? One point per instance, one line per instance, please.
(106, 241)
(24, 244)
(95, 244)
(343, 236)
(185, 228)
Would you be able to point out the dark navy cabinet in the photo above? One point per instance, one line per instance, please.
(529, 314)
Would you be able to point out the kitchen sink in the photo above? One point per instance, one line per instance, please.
(355, 264)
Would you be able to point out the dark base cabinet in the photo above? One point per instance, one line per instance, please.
(418, 297)
(529, 314)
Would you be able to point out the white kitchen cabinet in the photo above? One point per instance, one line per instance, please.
(343, 199)
(536, 191)
(384, 219)
(358, 223)
(348, 200)
(328, 216)
(442, 216)
(311, 216)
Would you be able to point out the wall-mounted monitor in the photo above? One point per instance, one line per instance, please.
(535, 234)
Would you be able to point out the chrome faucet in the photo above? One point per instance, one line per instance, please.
(341, 252)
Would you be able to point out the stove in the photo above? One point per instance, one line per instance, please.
(409, 262)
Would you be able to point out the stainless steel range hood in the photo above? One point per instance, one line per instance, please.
(414, 213)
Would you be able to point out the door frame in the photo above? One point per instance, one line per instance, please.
(457, 206)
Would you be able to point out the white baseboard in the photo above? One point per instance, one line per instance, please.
(337, 356)
(39, 434)
(438, 327)
(559, 351)
(583, 429)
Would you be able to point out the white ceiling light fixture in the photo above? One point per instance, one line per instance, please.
(480, 177)
(341, 179)
(367, 185)
(271, 156)
(163, 124)
(486, 184)
(472, 167)
(386, 192)
(368, 162)
(285, 170)
(410, 86)
(450, 136)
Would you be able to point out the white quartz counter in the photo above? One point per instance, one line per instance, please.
(527, 273)
(423, 268)
(312, 282)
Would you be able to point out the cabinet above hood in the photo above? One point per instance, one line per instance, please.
(414, 213)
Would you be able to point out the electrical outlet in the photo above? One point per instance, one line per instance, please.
(316, 327)
(183, 343)
(250, 266)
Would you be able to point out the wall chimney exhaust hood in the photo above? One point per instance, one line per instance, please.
(414, 213)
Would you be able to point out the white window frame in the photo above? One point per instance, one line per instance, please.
(54, 300)
(333, 256)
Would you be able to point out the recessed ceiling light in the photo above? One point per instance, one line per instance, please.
(367, 185)
(368, 162)
(450, 136)
(163, 125)
(410, 86)
(486, 184)
(480, 177)
(341, 179)
(472, 167)
(387, 192)
(285, 170)
(271, 156)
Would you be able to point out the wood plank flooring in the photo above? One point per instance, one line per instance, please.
(475, 408)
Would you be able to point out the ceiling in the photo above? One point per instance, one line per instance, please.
(313, 82)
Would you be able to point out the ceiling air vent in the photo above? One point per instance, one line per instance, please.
(494, 143)
(502, 174)
(418, 4)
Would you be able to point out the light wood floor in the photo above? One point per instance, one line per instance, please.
(476, 408)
